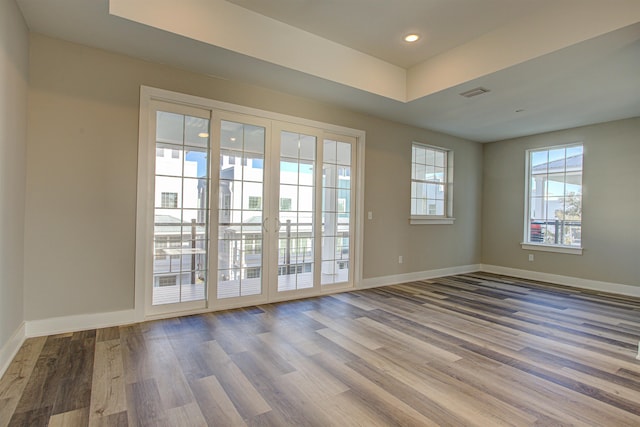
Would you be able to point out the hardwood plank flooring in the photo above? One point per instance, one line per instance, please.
(468, 350)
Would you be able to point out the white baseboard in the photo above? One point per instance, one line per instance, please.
(81, 322)
(395, 279)
(575, 282)
(11, 347)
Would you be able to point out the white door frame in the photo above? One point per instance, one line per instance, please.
(144, 213)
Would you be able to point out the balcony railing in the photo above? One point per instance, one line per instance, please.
(538, 231)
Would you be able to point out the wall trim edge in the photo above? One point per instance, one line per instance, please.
(375, 282)
(574, 282)
(81, 322)
(11, 347)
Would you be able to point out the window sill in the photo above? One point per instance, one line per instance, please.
(552, 248)
(417, 220)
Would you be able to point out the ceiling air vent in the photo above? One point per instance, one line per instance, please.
(474, 92)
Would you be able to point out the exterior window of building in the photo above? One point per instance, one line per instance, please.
(285, 204)
(167, 281)
(226, 202)
(160, 245)
(253, 273)
(169, 200)
(554, 197)
(253, 244)
(431, 185)
(255, 203)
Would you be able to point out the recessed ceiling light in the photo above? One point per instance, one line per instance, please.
(410, 38)
(232, 139)
(203, 135)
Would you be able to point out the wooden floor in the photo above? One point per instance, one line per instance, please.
(469, 350)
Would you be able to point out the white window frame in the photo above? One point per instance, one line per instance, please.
(544, 247)
(448, 217)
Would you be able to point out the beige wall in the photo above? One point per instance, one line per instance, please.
(14, 67)
(82, 160)
(611, 204)
(388, 173)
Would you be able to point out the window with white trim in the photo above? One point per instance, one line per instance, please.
(553, 214)
(431, 185)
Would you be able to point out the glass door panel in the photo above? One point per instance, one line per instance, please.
(296, 206)
(181, 210)
(241, 193)
(337, 197)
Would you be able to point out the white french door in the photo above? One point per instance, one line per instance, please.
(338, 210)
(295, 238)
(243, 203)
(180, 151)
(267, 203)
(284, 210)
(246, 210)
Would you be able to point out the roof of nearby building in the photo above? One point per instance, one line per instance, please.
(573, 163)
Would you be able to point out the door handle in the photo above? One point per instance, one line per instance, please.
(264, 224)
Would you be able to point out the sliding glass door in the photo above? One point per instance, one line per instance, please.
(242, 200)
(315, 215)
(245, 210)
(267, 202)
(338, 195)
(181, 207)
(296, 170)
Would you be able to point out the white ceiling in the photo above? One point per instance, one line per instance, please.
(565, 63)
(377, 27)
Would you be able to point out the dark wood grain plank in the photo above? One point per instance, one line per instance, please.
(38, 417)
(42, 388)
(113, 420)
(74, 390)
(144, 404)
